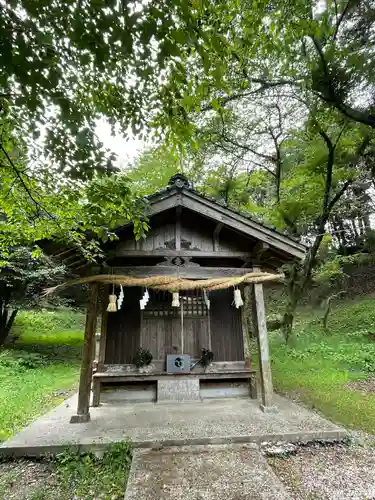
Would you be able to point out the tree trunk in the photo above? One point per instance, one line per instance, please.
(328, 307)
(6, 322)
(300, 275)
(288, 316)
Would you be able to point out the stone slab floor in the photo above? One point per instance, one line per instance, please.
(208, 422)
(226, 472)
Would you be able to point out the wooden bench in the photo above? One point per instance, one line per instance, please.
(118, 376)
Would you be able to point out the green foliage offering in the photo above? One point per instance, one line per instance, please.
(143, 357)
(88, 476)
(207, 357)
(319, 365)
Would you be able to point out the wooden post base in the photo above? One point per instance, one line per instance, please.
(253, 388)
(268, 409)
(96, 392)
(80, 419)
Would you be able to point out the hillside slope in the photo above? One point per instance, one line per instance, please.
(331, 371)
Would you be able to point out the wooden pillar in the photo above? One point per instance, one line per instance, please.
(245, 311)
(103, 328)
(83, 414)
(96, 386)
(260, 326)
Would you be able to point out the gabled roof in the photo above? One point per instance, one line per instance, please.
(180, 193)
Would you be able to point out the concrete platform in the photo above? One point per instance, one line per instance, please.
(226, 472)
(171, 424)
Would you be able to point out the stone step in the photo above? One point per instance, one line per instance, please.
(178, 389)
(222, 472)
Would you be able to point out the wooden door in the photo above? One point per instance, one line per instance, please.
(123, 328)
(226, 327)
(195, 323)
(169, 330)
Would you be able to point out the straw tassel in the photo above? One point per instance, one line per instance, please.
(112, 307)
(112, 303)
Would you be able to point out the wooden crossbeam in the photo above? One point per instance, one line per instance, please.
(165, 252)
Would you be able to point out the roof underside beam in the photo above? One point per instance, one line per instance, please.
(181, 253)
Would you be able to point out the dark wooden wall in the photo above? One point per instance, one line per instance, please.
(161, 325)
(123, 327)
(226, 327)
(163, 336)
(158, 328)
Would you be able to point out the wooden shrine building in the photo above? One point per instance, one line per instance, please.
(192, 237)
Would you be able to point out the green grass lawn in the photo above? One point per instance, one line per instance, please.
(42, 367)
(320, 363)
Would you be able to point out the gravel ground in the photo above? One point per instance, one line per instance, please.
(313, 472)
(27, 479)
(335, 472)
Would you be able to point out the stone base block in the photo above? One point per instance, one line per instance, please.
(80, 419)
(178, 389)
(269, 409)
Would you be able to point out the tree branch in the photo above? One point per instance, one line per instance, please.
(320, 52)
(341, 18)
(248, 148)
(24, 185)
(359, 116)
(338, 195)
(264, 86)
(365, 117)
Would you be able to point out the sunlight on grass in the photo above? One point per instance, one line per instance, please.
(69, 337)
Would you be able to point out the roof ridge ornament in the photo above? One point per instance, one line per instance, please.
(180, 181)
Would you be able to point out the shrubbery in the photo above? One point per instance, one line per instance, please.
(351, 357)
